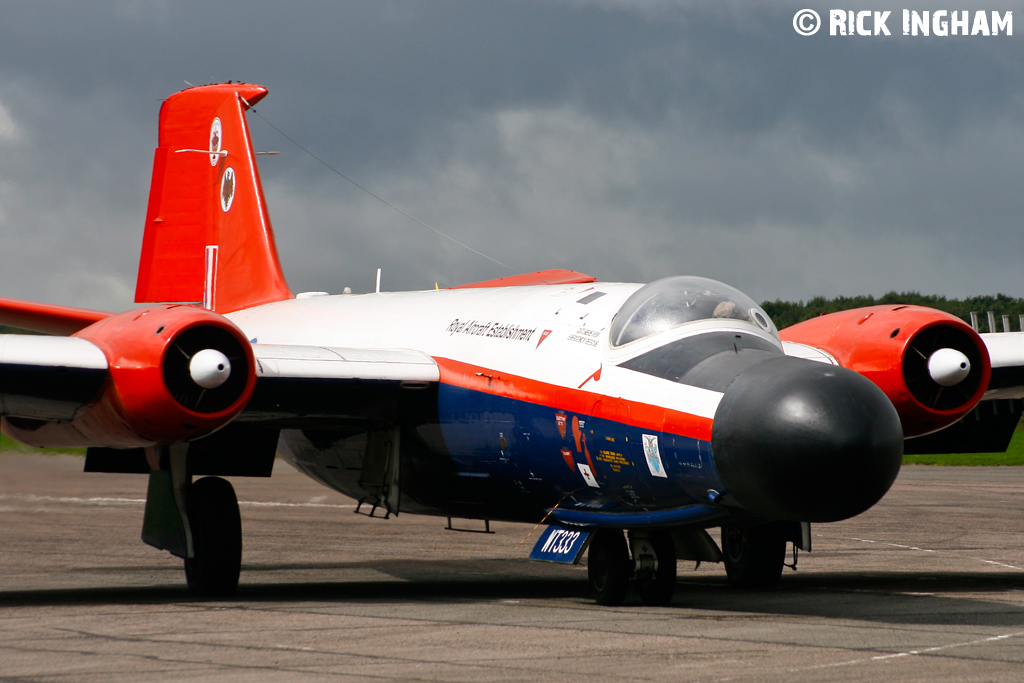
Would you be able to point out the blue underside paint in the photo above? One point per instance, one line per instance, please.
(506, 440)
(475, 455)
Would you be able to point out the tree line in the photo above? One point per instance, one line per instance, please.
(786, 313)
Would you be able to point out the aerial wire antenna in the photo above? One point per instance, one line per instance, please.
(377, 197)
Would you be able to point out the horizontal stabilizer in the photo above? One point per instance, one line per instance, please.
(47, 318)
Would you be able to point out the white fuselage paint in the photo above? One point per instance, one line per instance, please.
(467, 325)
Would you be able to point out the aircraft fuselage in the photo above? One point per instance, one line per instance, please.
(535, 407)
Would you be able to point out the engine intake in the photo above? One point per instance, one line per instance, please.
(191, 372)
(932, 365)
(934, 370)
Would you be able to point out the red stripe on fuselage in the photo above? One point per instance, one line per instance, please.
(640, 415)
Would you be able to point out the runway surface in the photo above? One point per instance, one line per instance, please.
(928, 584)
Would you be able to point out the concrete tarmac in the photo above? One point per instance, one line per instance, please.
(928, 585)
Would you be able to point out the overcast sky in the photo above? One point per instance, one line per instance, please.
(627, 139)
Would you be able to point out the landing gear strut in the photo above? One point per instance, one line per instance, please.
(652, 567)
(216, 527)
(197, 521)
(655, 573)
(754, 555)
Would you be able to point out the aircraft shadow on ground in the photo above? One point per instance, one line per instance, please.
(935, 598)
(893, 597)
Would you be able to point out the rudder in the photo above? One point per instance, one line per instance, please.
(208, 237)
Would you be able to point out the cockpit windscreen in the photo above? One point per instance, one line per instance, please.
(673, 301)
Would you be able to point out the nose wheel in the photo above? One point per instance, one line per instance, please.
(754, 556)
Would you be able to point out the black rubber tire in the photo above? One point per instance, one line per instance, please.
(608, 567)
(754, 556)
(216, 526)
(658, 589)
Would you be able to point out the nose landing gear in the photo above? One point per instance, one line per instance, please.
(754, 555)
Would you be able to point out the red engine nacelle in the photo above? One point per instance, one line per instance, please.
(893, 346)
(153, 393)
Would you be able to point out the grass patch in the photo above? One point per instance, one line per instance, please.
(1014, 455)
(11, 446)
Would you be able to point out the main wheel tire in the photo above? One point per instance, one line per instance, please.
(659, 587)
(753, 556)
(216, 526)
(608, 567)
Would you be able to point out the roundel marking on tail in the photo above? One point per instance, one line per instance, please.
(227, 188)
(216, 138)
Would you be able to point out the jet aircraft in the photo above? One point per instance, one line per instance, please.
(628, 418)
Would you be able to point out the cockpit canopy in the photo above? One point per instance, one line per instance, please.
(674, 301)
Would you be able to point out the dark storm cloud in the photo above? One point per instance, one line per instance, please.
(632, 140)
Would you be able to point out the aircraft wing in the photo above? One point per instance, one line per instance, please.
(48, 378)
(313, 384)
(275, 362)
(1006, 351)
(52, 378)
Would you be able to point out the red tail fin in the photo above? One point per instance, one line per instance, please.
(208, 236)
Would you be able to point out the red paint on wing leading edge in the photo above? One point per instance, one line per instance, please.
(640, 415)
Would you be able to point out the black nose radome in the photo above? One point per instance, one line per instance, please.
(798, 440)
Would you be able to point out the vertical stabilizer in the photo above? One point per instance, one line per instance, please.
(208, 237)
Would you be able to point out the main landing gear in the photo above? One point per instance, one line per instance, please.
(216, 525)
(196, 520)
(652, 567)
